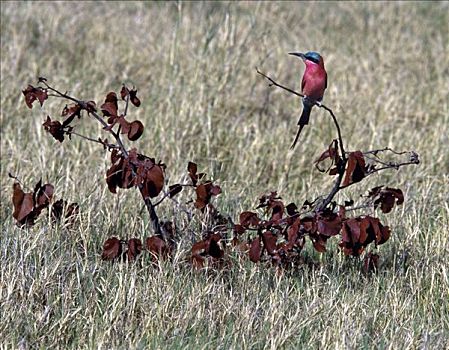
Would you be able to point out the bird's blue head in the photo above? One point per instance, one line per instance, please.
(309, 56)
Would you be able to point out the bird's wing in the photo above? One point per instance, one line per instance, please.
(303, 83)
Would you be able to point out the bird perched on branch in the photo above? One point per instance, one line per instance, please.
(314, 82)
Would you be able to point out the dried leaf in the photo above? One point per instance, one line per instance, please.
(173, 190)
(71, 111)
(204, 193)
(110, 106)
(269, 240)
(134, 248)
(32, 94)
(157, 247)
(133, 98)
(330, 153)
(255, 250)
(153, 181)
(329, 223)
(320, 246)
(356, 168)
(23, 203)
(135, 130)
(55, 128)
(386, 198)
(248, 218)
(112, 248)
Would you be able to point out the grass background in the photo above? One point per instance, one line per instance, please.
(194, 65)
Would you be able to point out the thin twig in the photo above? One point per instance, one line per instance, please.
(167, 194)
(109, 145)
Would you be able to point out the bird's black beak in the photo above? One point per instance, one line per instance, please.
(299, 54)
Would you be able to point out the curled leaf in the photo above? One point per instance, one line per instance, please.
(110, 106)
(133, 98)
(55, 128)
(356, 168)
(32, 94)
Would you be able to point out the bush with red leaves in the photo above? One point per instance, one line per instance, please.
(273, 232)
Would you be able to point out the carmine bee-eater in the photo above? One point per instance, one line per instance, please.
(314, 82)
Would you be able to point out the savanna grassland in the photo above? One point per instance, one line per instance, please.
(202, 101)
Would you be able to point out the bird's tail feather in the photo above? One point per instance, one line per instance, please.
(303, 120)
(297, 136)
(305, 115)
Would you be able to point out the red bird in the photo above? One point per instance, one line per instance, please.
(314, 82)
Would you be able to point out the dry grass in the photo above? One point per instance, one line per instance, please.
(194, 65)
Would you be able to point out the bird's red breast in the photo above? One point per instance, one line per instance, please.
(314, 81)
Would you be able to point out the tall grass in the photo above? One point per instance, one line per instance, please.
(194, 65)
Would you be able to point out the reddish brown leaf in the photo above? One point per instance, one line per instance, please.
(192, 169)
(134, 248)
(386, 198)
(124, 92)
(239, 229)
(356, 168)
(328, 223)
(292, 233)
(255, 250)
(330, 153)
(309, 225)
(204, 193)
(110, 106)
(135, 130)
(23, 203)
(173, 190)
(133, 98)
(71, 111)
(60, 206)
(32, 94)
(119, 174)
(352, 238)
(277, 208)
(157, 247)
(385, 234)
(269, 240)
(44, 195)
(200, 248)
(55, 128)
(153, 181)
(320, 246)
(249, 218)
(112, 248)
